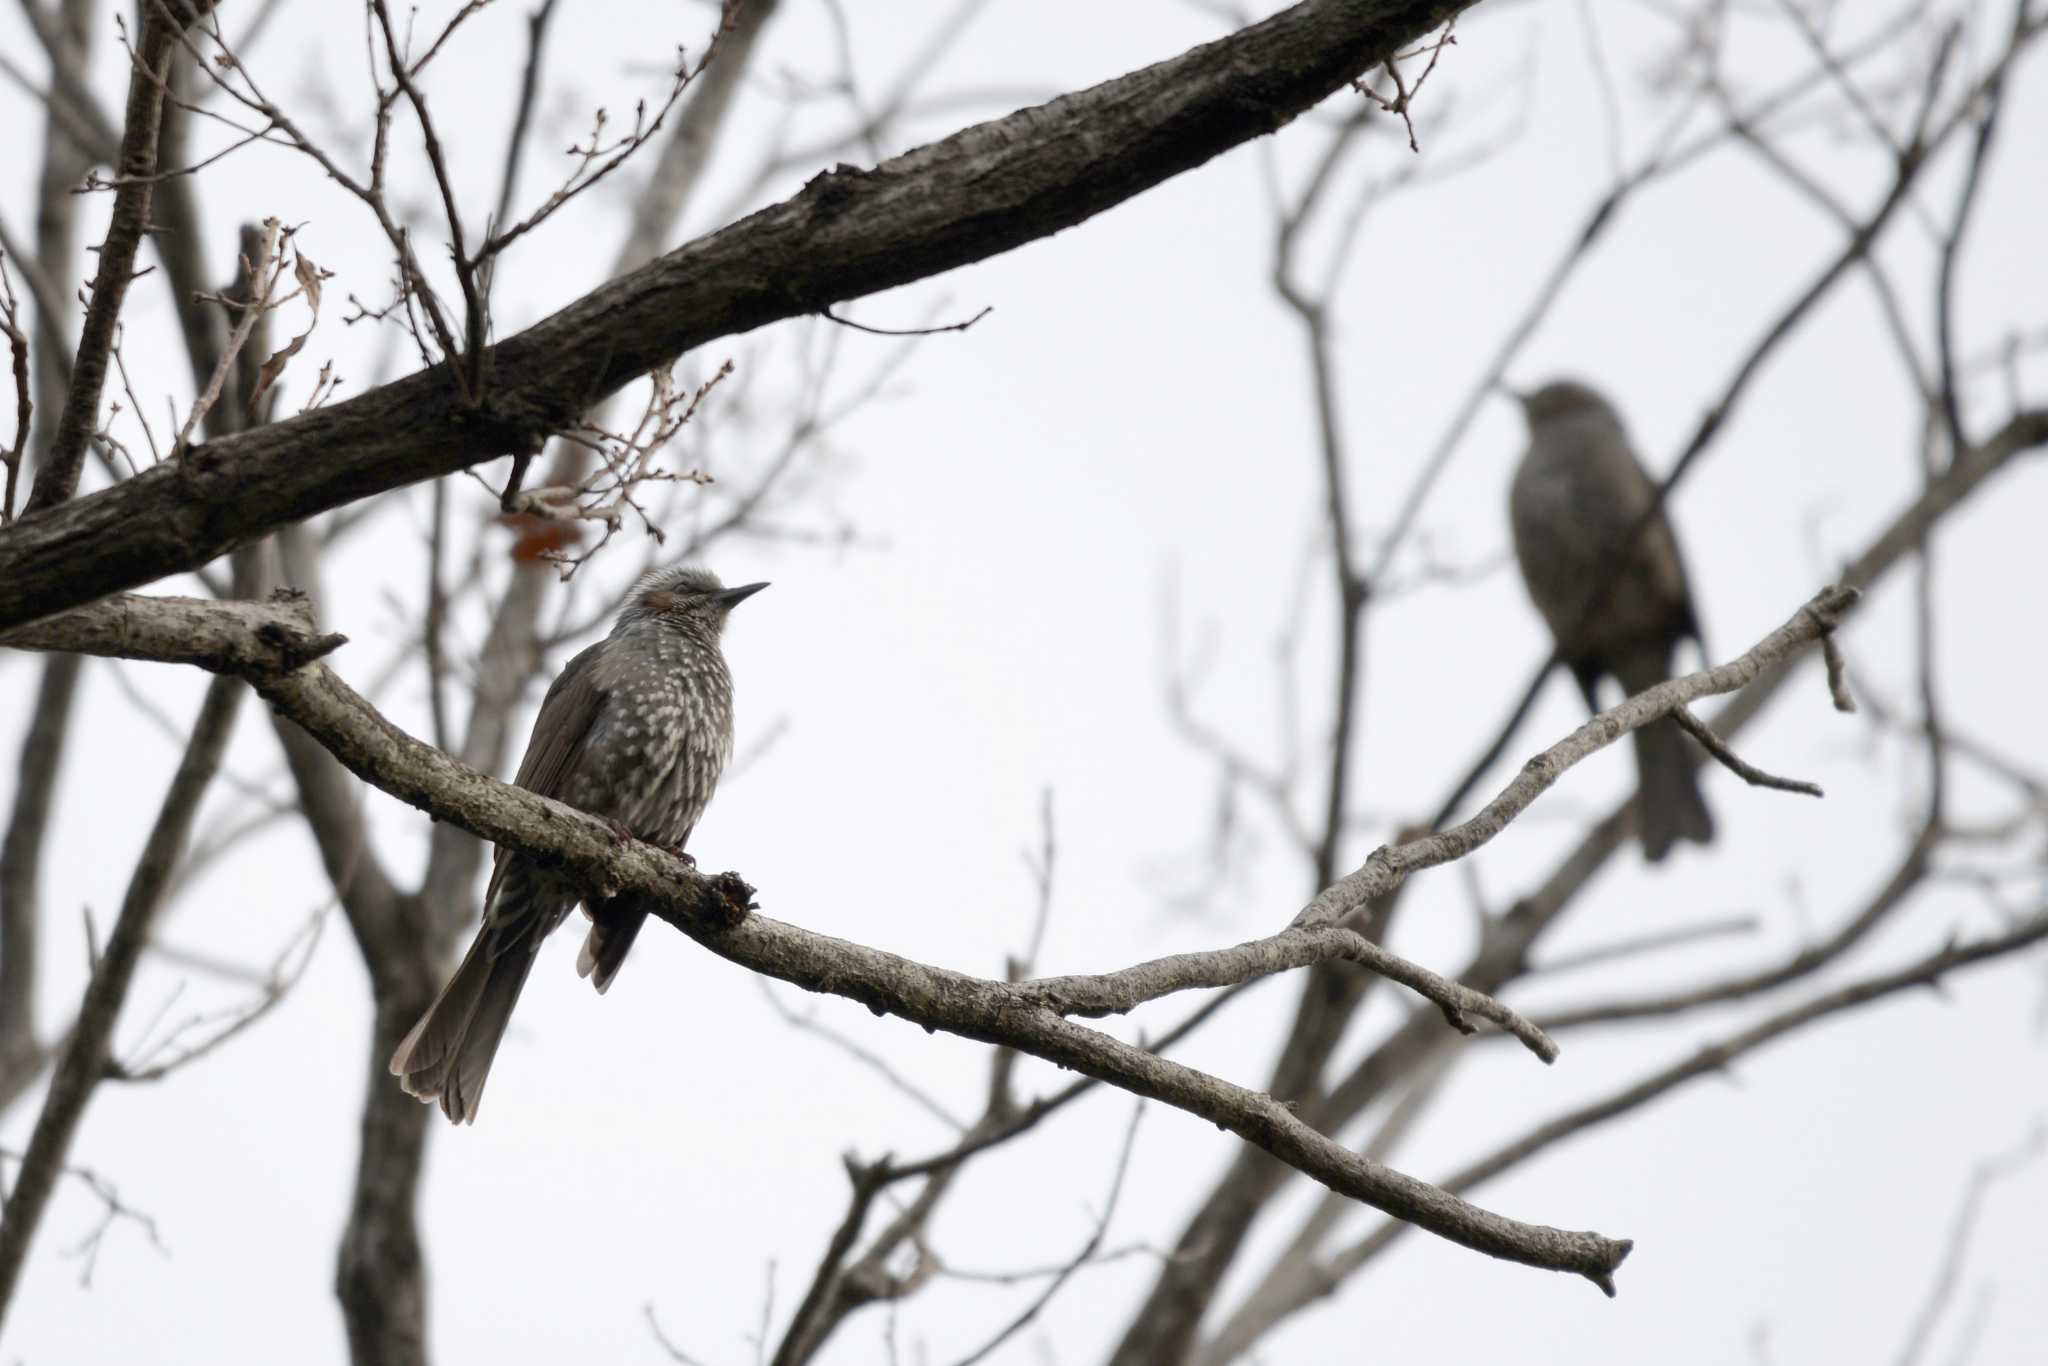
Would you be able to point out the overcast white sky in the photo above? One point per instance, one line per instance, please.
(1132, 421)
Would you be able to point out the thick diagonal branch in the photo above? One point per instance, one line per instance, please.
(850, 233)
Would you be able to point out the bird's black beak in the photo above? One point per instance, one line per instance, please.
(732, 597)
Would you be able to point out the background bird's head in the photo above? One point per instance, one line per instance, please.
(1561, 398)
(685, 596)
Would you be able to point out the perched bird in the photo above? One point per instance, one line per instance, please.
(1613, 608)
(636, 730)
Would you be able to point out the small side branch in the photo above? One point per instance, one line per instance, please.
(1116, 993)
(1735, 763)
(830, 316)
(1389, 866)
(1249, 1327)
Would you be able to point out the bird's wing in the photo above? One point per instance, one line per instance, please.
(567, 713)
(573, 703)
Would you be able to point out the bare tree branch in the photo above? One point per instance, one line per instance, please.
(1503, 953)
(1246, 1328)
(87, 1054)
(1905, 879)
(64, 31)
(57, 480)
(1654, 941)
(247, 490)
(1735, 763)
(838, 1288)
(522, 117)
(21, 855)
(1080, 1259)
(1299, 946)
(1987, 1174)
(849, 233)
(997, 1012)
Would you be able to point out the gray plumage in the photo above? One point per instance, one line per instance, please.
(636, 729)
(1611, 608)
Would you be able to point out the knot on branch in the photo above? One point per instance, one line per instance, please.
(515, 421)
(829, 191)
(288, 646)
(720, 902)
(1828, 605)
(730, 902)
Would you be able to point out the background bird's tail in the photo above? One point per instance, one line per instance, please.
(1669, 807)
(448, 1054)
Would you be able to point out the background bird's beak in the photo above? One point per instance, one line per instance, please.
(733, 596)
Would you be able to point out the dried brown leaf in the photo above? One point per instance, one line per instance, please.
(309, 275)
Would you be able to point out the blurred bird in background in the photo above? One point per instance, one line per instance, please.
(636, 730)
(1612, 607)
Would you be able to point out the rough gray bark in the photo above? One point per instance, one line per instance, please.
(380, 1274)
(848, 233)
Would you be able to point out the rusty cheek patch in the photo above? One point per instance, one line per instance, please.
(659, 602)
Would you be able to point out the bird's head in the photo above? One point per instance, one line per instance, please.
(1561, 398)
(684, 595)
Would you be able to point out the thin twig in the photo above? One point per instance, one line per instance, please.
(1983, 1177)
(809, 1023)
(1080, 1259)
(1735, 763)
(830, 316)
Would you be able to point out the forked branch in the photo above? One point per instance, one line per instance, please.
(279, 657)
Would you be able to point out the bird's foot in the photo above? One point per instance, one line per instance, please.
(683, 854)
(621, 832)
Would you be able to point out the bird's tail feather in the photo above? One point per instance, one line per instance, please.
(1669, 807)
(448, 1054)
(613, 928)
